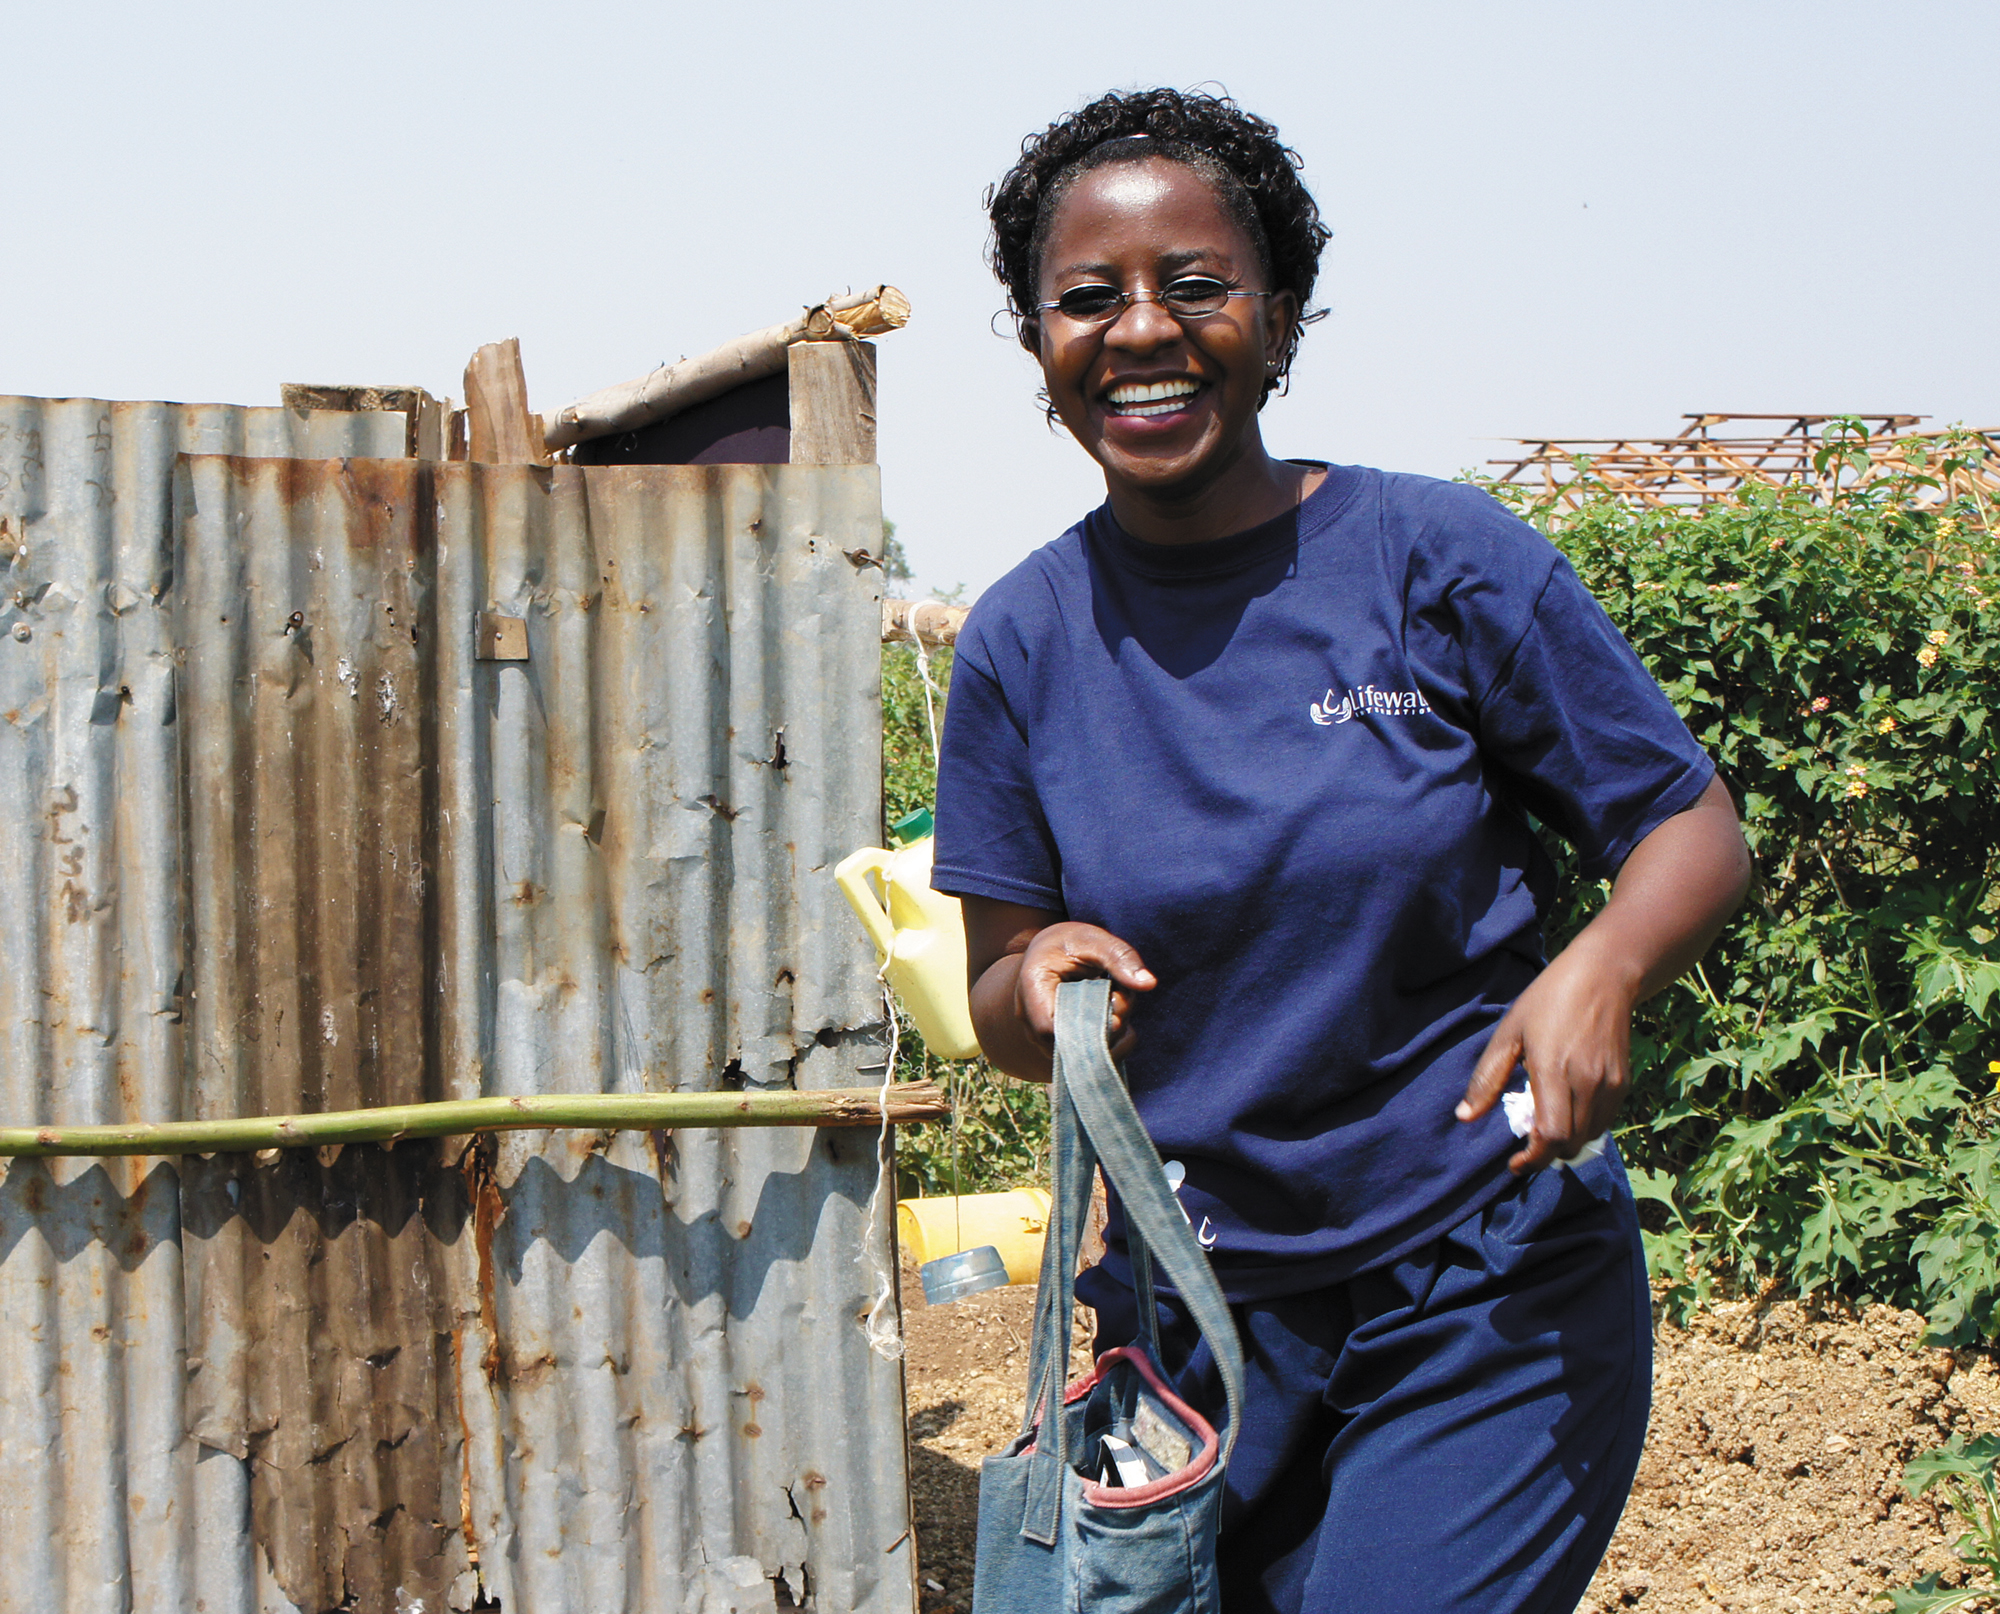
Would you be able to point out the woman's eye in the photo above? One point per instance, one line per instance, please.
(1089, 302)
(1195, 294)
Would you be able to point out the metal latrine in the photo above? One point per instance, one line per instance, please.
(279, 832)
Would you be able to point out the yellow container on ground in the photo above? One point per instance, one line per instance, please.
(921, 933)
(1014, 1223)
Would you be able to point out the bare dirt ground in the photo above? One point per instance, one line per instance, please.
(1770, 1480)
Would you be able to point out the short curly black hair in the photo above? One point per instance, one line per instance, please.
(1254, 172)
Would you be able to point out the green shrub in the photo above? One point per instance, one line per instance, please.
(909, 767)
(998, 1137)
(1814, 1105)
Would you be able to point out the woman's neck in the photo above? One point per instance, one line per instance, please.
(1253, 489)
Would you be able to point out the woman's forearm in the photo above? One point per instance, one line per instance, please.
(1015, 955)
(1572, 1027)
(1003, 1037)
(1672, 897)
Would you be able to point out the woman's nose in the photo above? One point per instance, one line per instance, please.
(1142, 325)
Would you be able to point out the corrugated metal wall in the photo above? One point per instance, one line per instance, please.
(277, 840)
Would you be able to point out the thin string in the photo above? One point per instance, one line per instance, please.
(954, 1083)
(930, 686)
(883, 1337)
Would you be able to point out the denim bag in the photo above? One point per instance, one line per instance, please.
(1054, 1539)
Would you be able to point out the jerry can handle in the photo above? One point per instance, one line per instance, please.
(851, 875)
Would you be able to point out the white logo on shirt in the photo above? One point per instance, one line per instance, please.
(1367, 701)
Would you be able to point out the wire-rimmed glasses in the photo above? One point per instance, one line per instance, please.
(1187, 297)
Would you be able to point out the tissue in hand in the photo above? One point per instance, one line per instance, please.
(1519, 1109)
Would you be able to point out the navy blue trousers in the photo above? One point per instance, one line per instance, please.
(1453, 1434)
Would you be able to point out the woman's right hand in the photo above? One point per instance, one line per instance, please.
(1016, 955)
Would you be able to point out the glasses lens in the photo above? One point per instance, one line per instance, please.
(1194, 294)
(1091, 305)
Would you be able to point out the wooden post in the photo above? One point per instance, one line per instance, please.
(833, 403)
(500, 430)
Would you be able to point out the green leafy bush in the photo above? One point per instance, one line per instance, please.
(1814, 1105)
(998, 1137)
(909, 766)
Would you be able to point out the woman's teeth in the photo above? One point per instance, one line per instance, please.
(1155, 398)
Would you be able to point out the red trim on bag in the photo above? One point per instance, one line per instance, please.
(1082, 1387)
(1138, 1496)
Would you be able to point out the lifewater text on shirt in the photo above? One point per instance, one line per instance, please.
(1368, 701)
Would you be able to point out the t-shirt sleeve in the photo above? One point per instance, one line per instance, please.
(1581, 732)
(992, 837)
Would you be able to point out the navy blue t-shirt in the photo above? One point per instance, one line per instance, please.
(1294, 768)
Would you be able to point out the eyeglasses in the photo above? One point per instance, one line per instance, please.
(1189, 297)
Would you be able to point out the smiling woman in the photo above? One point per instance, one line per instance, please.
(1260, 740)
(1198, 229)
(1159, 342)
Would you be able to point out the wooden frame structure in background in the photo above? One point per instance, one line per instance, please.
(1721, 456)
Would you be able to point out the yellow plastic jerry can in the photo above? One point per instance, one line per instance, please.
(920, 932)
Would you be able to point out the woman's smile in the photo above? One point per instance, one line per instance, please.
(1149, 400)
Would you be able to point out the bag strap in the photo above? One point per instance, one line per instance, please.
(1095, 1123)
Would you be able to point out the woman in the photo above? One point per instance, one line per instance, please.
(1259, 740)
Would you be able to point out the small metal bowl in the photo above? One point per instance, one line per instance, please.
(953, 1277)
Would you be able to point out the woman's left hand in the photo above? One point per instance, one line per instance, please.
(1572, 1028)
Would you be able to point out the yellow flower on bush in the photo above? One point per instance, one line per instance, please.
(1993, 1067)
(1857, 781)
(1886, 726)
(1938, 635)
(1927, 657)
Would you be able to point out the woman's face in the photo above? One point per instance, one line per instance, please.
(1164, 405)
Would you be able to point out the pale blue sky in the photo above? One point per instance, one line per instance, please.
(1556, 216)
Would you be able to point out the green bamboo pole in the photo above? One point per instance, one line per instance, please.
(647, 1112)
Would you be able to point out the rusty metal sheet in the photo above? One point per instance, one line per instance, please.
(328, 855)
(113, 1505)
(690, 746)
(317, 1320)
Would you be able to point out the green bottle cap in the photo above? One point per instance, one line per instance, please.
(912, 827)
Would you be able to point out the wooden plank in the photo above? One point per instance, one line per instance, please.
(500, 429)
(833, 403)
(674, 387)
(427, 420)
